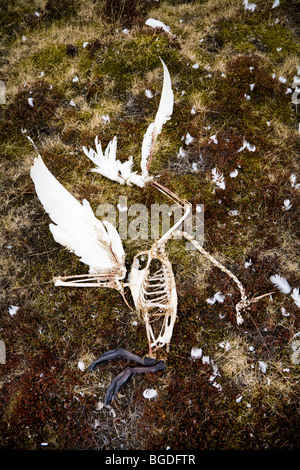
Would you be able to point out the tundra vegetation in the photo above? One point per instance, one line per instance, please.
(73, 70)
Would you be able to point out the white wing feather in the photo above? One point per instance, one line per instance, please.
(165, 108)
(163, 114)
(281, 283)
(97, 244)
(108, 165)
(146, 147)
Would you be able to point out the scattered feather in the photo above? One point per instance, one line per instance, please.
(282, 79)
(233, 213)
(81, 365)
(157, 24)
(281, 283)
(218, 178)
(225, 345)
(72, 103)
(75, 79)
(149, 93)
(262, 366)
(284, 312)
(214, 139)
(188, 139)
(276, 3)
(105, 118)
(218, 297)
(286, 205)
(30, 101)
(196, 353)
(205, 360)
(247, 264)
(85, 44)
(293, 181)
(195, 66)
(218, 386)
(150, 393)
(234, 173)
(249, 6)
(296, 296)
(248, 146)
(12, 310)
(181, 152)
(30, 140)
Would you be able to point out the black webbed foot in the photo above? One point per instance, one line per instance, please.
(121, 378)
(148, 364)
(121, 353)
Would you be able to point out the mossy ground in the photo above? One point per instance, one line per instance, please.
(235, 94)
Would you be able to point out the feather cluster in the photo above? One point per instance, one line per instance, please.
(108, 165)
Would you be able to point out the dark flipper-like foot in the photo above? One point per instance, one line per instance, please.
(148, 364)
(121, 353)
(121, 378)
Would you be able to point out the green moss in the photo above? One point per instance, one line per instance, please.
(51, 58)
(252, 35)
(126, 60)
(60, 9)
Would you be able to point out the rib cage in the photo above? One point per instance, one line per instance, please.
(154, 294)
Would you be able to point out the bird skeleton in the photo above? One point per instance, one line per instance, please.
(99, 245)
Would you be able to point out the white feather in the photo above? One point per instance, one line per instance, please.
(218, 178)
(146, 147)
(157, 24)
(165, 108)
(296, 296)
(163, 114)
(281, 283)
(97, 244)
(108, 165)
